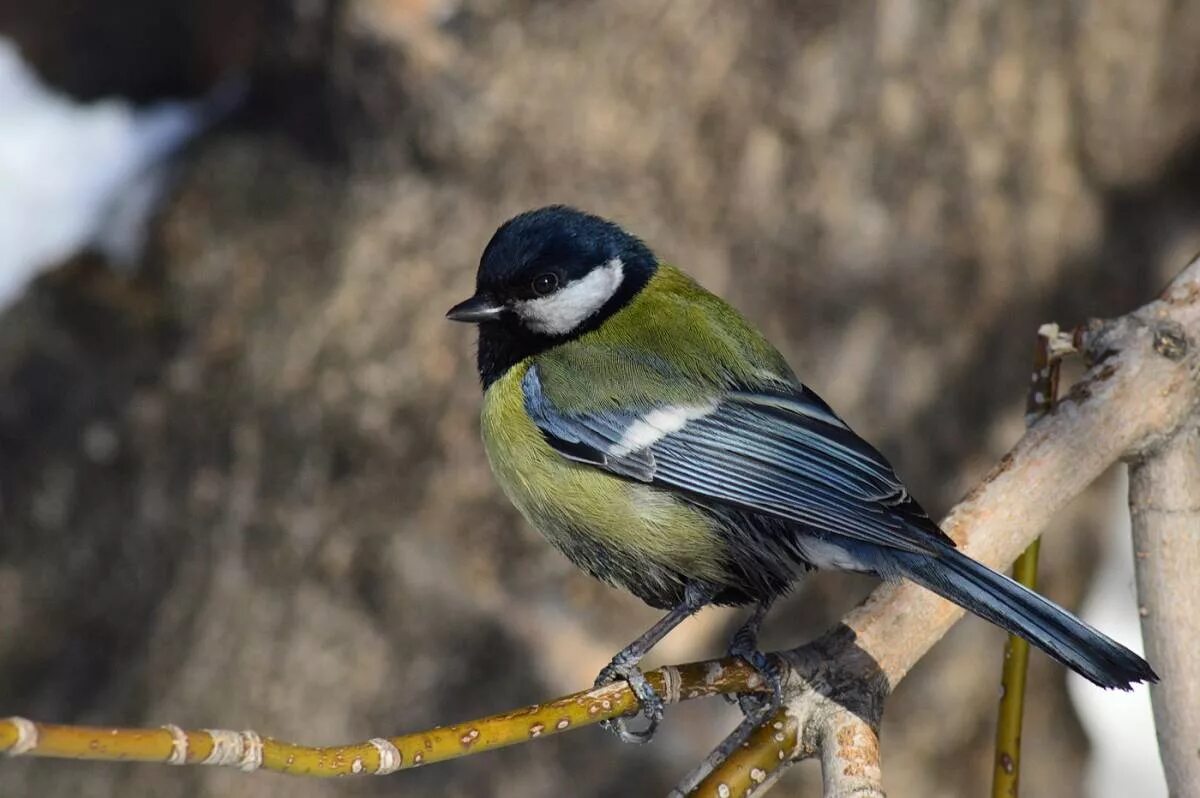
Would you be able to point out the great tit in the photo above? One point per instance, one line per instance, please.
(665, 447)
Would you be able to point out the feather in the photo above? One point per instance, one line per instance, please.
(786, 456)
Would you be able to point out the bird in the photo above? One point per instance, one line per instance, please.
(661, 443)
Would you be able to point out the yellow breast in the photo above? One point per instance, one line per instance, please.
(578, 506)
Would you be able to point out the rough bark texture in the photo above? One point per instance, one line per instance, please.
(1164, 499)
(246, 488)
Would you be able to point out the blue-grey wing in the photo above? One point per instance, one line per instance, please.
(787, 456)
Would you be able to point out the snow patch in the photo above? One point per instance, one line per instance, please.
(74, 175)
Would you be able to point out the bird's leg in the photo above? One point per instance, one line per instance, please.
(745, 645)
(625, 665)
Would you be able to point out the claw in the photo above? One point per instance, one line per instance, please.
(756, 703)
(651, 705)
(744, 645)
(624, 665)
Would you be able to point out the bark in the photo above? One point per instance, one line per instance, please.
(1164, 500)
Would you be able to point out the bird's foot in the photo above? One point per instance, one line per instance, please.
(623, 667)
(744, 645)
(764, 704)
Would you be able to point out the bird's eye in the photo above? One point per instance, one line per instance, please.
(545, 283)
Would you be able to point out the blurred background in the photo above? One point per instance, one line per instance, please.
(241, 483)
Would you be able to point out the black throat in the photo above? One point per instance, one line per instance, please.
(505, 343)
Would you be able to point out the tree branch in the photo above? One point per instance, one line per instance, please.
(1164, 501)
(249, 751)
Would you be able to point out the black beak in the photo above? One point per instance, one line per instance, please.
(477, 309)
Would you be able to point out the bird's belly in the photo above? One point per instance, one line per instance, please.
(623, 532)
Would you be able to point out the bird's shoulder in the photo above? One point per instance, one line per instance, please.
(675, 342)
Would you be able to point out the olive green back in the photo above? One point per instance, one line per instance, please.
(673, 343)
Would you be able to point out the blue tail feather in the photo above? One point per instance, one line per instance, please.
(1020, 611)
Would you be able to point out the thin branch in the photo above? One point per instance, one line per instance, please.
(1164, 502)
(1052, 345)
(1010, 719)
(249, 751)
(737, 739)
(753, 767)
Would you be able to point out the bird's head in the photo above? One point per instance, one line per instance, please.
(555, 272)
(548, 276)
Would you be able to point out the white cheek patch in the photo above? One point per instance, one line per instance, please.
(567, 308)
(658, 424)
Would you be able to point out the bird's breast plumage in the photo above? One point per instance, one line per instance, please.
(622, 532)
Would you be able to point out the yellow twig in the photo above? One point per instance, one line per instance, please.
(248, 751)
(1051, 346)
(755, 765)
(1007, 768)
